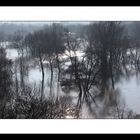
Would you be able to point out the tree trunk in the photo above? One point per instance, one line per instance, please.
(51, 68)
(16, 82)
(59, 70)
(111, 70)
(21, 74)
(42, 83)
(78, 83)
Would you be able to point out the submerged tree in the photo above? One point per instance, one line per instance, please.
(36, 48)
(18, 43)
(47, 44)
(105, 47)
(83, 69)
(54, 48)
(109, 41)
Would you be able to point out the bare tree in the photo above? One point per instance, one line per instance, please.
(36, 47)
(52, 40)
(84, 69)
(109, 40)
(18, 43)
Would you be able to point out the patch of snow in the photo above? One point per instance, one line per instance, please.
(12, 54)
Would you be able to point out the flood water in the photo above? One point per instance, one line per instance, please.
(129, 88)
(130, 92)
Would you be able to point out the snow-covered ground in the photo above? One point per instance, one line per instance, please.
(12, 54)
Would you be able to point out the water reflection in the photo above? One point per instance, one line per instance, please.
(124, 96)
